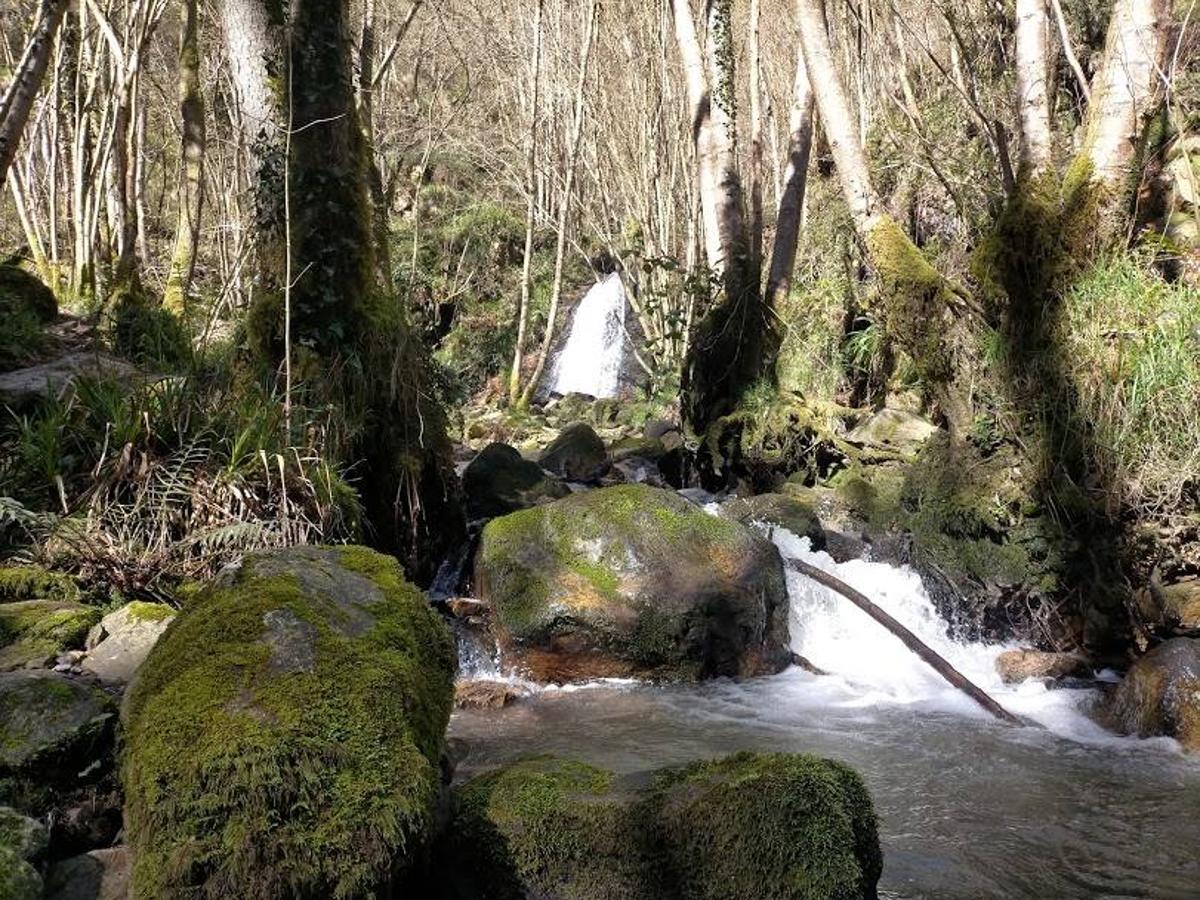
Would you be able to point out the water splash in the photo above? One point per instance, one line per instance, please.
(590, 361)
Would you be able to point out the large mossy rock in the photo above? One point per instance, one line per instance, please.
(632, 581)
(499, 481)
(285, 734)
(24, 294)
(577, 454)
(746, 827)
(34, 632)
(50, 725)
(1160, 695)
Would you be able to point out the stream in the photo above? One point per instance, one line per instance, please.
(969, 807)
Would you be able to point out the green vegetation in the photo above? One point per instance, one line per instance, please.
(284, 735)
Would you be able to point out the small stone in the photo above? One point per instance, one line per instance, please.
(130, 633)
(1016, 666)
(486, 694)
(466, 607)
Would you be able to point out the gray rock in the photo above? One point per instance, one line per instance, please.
(499, 481)
(26, 387)
(577, 454)
(779, 511)
(893, 429)
(50, 722)
(99, 875)
(127, 638)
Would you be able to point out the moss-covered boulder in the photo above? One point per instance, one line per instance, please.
(34, 632)
(50, 725)
(778, 511)
(24, 294)
(632, 581)
(499, 481)
(746, 827)
(1160, 695)
(285, 734)
(577, 454)
(22, 844)
(35, 583)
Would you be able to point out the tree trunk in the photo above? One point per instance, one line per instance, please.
(191, 182)
(1032, 70)
(791, 203)
(27, 80)
(564, 209)
(756, 144)
(367, 84)
(916, 299)
(535, 69)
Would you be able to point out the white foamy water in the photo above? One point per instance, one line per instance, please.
(872, 667)
(590, 361)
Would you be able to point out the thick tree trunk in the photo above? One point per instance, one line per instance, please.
(1125, 92)
(1032, 71)
(27, 81)
(191, 181)
(535, 76)
(564, 209)
(791, 202)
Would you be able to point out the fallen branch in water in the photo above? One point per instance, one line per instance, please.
(910, 640)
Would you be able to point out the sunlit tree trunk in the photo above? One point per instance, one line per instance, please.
(191, 182)
(27, 80)
(756, 142)
(1032, 70)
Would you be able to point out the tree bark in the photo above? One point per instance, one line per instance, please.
(564, 209)
(1032, 70)
(191, 182)
(27, 81)
(535, 75)
(791, 203)
(756, 143)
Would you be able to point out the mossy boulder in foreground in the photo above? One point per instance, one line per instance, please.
(746, 827)
(632, 580)
(284, 735)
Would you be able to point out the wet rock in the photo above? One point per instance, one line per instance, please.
(1016, 666)
(645, 448)
(893, 429)
(311, 687)
(34, 632)
(98, 875)
(577, 454)
(745, 827)
(466, 607)
(128, 635)
(779, 511)
(486, 694)
(22, 845)
(51, 725)
(1180, 603)
(1160, 695)
(632, 580)
(499, 481)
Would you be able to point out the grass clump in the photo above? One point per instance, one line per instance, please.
(284, 736)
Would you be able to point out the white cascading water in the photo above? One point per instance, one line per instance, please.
(871, 667)
(590, 361)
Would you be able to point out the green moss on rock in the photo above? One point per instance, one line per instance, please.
(36, 630)
(35, 583)
(284, 736)
(632, 580)
(23, 293)
(746, 827)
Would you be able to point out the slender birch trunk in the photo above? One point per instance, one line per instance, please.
(27, 81)
(756, 144)
(1032, 72)
(564, 209)
(535, 70)
(191, 182)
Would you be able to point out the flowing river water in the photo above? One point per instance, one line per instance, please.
(968, 807)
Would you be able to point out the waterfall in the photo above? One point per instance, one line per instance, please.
(590, 361)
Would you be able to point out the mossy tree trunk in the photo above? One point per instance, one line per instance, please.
(191, 182)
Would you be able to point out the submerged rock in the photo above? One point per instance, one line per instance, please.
(34, 632)
(1019, 665)
(1160, 695)
(499, 481)
(577, 454)
(632, 581)
(284, 736)
(779, 511)
(745, 827)
(125, 639)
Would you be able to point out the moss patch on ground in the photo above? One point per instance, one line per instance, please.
(284, 736)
